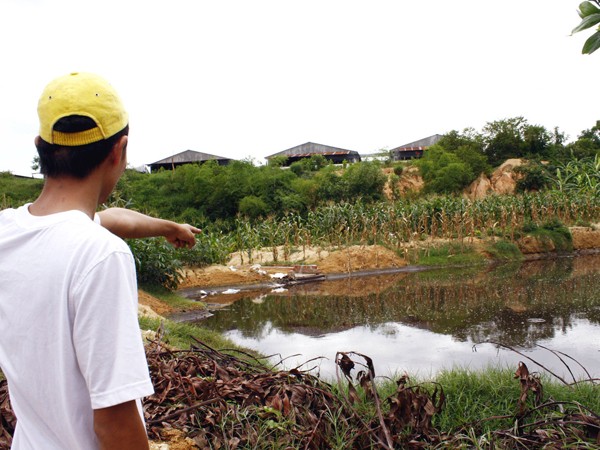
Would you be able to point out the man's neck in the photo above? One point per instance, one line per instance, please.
(66, 194)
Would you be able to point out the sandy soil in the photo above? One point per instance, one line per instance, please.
(151, 306)
(260, 268)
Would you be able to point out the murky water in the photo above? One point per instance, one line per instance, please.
(424, 322)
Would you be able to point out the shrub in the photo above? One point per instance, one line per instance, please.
(529, 226)
(444, 172)
(253, 207)
(364, 180)
(533, 177)
(504, 250)
(155, 262)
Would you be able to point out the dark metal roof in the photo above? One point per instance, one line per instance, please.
(310, 148)
(188, 156)
(421, 144)
(298, 155)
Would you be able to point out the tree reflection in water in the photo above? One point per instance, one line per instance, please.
(518, 305)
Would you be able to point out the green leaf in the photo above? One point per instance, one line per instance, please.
(592, 44)
(587, 9)
(587, 22)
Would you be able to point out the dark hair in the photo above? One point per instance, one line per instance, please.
(78, 161)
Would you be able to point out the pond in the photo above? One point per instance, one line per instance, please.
(421, 322)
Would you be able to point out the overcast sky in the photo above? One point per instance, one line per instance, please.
(246, 79)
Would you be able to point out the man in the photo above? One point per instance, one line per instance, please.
(70, 345)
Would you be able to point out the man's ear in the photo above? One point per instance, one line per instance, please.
(120, 149)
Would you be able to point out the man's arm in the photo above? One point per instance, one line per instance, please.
(128, 224)
(120, 427)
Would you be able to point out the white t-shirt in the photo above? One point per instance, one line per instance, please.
(69, 336)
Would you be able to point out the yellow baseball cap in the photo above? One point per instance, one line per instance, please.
(80, 94)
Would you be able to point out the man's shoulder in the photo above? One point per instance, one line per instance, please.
(7, 213)
(94, 235)
(77, 232)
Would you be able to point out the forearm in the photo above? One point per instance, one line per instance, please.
(120, 427)
(129, 224)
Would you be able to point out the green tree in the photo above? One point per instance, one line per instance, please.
(307, 191)
(443, 171)
(454, 139)
(468, 147)
(534, 177)
(308, 166)
(587, 145)
(474, 159)
(515, 138)
(503, 139)
(253, 207)
(278, 161)
(35, 163)
(330, 185)
(536, 141)
(364, 180)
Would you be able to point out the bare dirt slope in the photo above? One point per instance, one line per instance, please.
(260, 268)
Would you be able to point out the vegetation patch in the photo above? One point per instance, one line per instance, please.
(170, 298)
(184, 335)
(503, 251)
(16, 191)
(448, 254)
(552, 235)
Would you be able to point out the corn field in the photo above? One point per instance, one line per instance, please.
(393, 224)
(579, 175)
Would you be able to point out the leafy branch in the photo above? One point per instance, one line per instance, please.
(589, 12)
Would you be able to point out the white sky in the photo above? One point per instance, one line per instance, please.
(247, 78)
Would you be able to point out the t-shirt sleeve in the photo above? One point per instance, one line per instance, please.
(106, 333)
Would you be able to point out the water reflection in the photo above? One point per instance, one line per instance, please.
(425, 321)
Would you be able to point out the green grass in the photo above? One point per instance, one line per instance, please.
(477, 401)
(504, 251)
(181, 335)
(552, 233)
(448, 254)
(474, 396)
(16, 191)
(171, 298)
(561, 238)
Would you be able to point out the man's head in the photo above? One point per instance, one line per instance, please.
(81, 120)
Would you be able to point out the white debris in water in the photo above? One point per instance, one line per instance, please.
(280, 289)
(258, 269)
(535, 320)
(278, 275)
(231, 291)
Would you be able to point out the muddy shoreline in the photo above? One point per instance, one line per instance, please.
(198, 292)
(218, 296)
